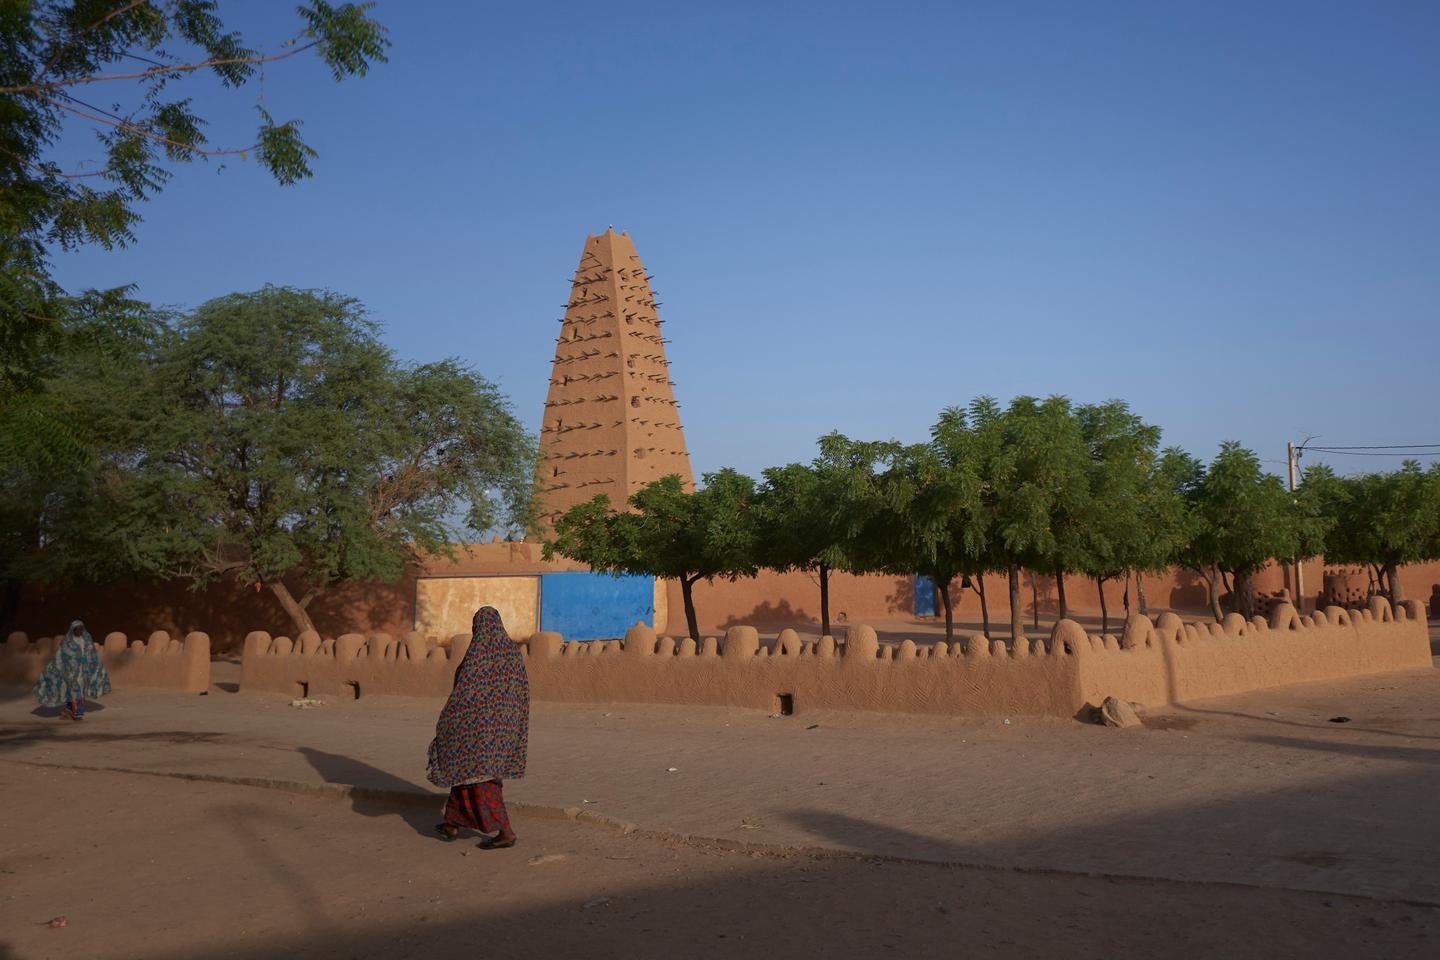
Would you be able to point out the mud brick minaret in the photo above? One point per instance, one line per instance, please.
(611, 421)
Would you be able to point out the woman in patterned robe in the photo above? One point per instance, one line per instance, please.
(482, 734)
(74, 675)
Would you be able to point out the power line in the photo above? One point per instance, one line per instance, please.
(1390, 453)
(1381, 446)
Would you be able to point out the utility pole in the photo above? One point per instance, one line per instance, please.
(1292, 458)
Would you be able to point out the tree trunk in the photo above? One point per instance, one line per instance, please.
(1140, 594)
(686, 585)
(1392, 576)
(294, 608)
(1125, 598)
(984, 606)
(1244, 594)
(1034, 600)
(10, 605)
(944, 587)
(1017, 610)
(1212, 591)
(1104, 610)
(1060, 591)
(824, 599)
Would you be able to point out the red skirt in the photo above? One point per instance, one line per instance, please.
(478, 806)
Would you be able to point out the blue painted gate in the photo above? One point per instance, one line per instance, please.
(595, 606)
(924, 596)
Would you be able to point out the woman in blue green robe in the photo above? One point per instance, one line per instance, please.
(75, 675)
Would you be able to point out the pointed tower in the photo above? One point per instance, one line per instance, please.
(611, 421)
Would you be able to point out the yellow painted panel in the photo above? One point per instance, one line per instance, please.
(444, 606)
(662, 611)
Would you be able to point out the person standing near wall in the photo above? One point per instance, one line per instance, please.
(482, 735)
(75, 674)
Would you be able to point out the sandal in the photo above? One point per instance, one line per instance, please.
(447, 832)
(495, 843)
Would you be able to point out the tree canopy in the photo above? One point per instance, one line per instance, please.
(120, 69)
(1381, 520)
(1244, 518)
(270, 438)
(670, 532)
(814, 516)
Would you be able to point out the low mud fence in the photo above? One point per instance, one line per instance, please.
(1151, 662)
(158, 661)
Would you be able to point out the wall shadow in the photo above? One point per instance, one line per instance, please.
(1300, 836)
(377, 793)
(1182, 708)
(729, 905)
(15, 738)
(1367, 751)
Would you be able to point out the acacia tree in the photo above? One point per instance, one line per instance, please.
(1030, 465)
(54, 444)
(939, 498)
(811, 516)
(1244, 518)
(1382, 520)
(118, 68)
(277, 442)
(1110, 537)
(669, 532)
(906, 533)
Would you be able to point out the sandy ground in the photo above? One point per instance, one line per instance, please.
(159, 868)
(1222, 829)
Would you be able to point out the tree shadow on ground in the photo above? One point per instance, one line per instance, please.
(376, 793)
(771, 616)
(1189, 592)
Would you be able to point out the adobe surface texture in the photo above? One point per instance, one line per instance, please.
(611, 422)
(1259, 790)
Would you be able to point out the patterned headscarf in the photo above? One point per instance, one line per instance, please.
(484, 729)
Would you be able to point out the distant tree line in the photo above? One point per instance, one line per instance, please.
(1039, 485)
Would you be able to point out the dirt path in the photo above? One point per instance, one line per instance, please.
(1258, 790)
(164, 869)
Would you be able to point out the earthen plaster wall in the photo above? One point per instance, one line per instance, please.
(770, 601)
(1152, 663)
(228, 610)
(156, 662)
(1168, 661)
(611, 422)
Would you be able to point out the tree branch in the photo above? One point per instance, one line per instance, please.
(117, 12)
(126, 126)
(38, 87)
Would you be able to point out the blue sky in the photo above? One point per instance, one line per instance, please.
(1227, 214)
